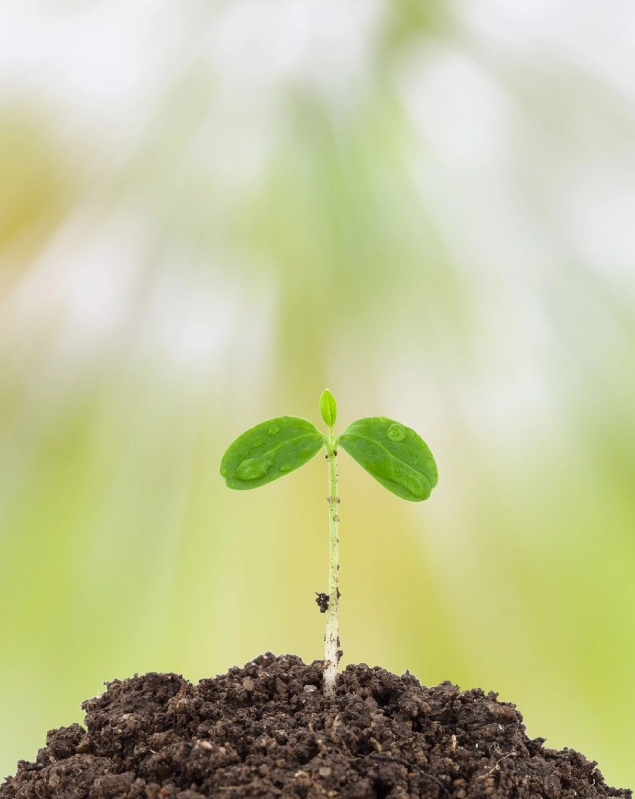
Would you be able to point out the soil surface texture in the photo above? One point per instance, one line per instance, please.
(266, 731)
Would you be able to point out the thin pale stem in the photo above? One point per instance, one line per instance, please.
(331, 637)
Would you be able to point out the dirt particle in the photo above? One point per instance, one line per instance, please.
(83, 746)
(322, 601)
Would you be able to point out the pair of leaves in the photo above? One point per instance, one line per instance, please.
(393, 454)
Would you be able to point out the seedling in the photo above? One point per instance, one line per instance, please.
(390, 452)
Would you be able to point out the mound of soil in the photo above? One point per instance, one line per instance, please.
(267, 731)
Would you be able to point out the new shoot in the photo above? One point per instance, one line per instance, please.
(392, 453)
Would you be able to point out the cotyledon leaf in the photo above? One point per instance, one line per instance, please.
(270, 450)
(393, 454)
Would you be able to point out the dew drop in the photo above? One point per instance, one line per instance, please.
(258, 443)
(284, 469)
(408, 479)
(273, 429)
(396, 432)
(253, 468)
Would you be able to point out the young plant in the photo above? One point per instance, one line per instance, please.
(392, 453)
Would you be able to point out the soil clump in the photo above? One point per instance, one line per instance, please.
(265, 731)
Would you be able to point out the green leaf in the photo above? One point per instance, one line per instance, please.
(328, 407)
(394, 455)
(270, 450)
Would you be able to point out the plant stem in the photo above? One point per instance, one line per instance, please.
(331, 637)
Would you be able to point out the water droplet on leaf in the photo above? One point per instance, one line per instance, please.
(396, 432)
(273, 429)
(408, 479)
(284, 469)
(253, 468)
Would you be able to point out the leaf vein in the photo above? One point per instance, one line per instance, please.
(293, 440)
(387, 451)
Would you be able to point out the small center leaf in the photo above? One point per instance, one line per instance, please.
(328, 407)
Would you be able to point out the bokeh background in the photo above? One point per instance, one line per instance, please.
(209, 211)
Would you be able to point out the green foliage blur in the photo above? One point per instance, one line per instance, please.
(208, 212)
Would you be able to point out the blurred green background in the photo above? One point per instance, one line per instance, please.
(209, 211)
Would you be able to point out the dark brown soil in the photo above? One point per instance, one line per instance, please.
(266, 731)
